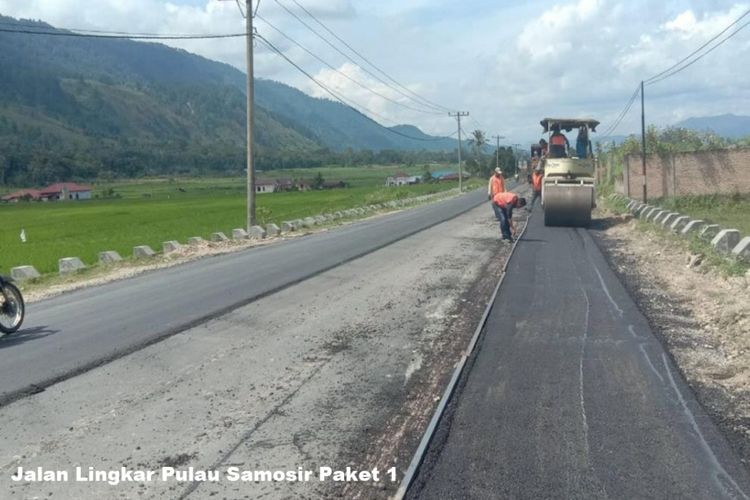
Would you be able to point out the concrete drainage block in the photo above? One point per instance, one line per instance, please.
(143, 252)
(709, 231)
(658, 214)
(678, 223)
(170, 246)
(21, 273)
(742, 249)
(287, 226)
(195, 241)
(726, 240)
(308, 222)
(272, 230)
(68, 265)
(239, 234)
(667, 219)
(256, 233)
(219, 237)
(109, 257)
(695, 225)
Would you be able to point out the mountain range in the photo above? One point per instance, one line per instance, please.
(728, 125)
(129, 108)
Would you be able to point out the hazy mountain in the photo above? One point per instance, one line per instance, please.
(135, 108)
(729, 125)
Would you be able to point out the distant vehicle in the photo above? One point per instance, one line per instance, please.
(12, 307)
(568, 191)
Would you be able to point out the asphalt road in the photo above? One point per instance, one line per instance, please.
(74, 332)
(570, 395)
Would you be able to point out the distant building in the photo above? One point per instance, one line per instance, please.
(23, 194)
(447, 175)
(274, 185)
(402, 179)
(62, 191)
(265, 186)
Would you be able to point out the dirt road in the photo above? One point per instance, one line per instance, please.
(340, 370)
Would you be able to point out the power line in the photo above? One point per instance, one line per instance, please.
(656, 78)
(123, 35)
(346, 56)
(343, 100)
(425, 100)
(330, 66)
(700, 56)
(608, 133)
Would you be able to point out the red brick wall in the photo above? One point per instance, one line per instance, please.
(704, 172)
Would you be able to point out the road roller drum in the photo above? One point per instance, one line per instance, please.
(568, 204)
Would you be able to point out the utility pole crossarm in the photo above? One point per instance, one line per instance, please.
(458, 115)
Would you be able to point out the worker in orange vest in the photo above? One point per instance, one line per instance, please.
(496, 185)
(506, 202)
(558, 147)
(536, 184)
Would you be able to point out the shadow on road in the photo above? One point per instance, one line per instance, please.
(26, 335)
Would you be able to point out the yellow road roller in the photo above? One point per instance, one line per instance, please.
(568, 192)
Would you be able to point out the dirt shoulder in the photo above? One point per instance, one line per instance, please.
(701, 317)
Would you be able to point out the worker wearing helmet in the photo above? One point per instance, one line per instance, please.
(506, 202)
(496, 185)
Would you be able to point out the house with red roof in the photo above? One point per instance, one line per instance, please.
(23, 194)
(66, 191)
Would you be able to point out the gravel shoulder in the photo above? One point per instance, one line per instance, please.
(702, 319)
(343, 369)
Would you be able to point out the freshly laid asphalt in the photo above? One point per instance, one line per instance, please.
(570, 395)
(73, 332)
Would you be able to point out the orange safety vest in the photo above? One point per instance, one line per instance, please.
(497, 185)
(505, 199)
(536, 181)
(557, 140)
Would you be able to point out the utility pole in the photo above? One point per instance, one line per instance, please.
(248, 15)
(249, 104)
(643, 142)
(497, 150)
(458, 115)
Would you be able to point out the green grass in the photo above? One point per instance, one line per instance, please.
(83, 229)
(731, 212)
(694, 244)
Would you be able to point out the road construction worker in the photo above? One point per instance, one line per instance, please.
(496, 185)
(558, 143)
(505, 203)
(582, 142)
(536, 185)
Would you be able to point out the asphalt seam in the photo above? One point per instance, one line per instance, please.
(419, 455)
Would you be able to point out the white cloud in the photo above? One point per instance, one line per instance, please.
(509, 63)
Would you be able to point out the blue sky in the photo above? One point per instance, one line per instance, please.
(507, 62)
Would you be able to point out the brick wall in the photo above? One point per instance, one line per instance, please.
(704, 172)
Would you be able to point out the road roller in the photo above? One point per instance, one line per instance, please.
(568, 191)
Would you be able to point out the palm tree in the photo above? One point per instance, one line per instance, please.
(477, 142)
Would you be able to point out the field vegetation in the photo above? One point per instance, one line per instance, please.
(150, 211)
